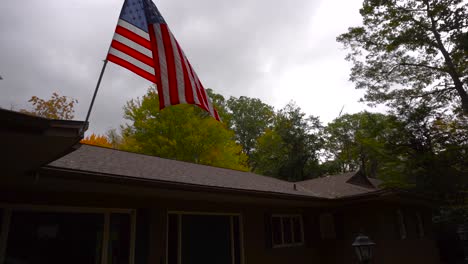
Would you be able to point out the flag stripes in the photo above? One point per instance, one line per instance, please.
(156, 56)
(131, 49)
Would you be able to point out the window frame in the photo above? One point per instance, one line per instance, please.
(9, 209)
(291, 217)
(420, 225)
(402, 230)
(180, 214)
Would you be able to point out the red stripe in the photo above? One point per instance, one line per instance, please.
(171, 69)
(157, 67)
(131, 67)
(131, 52)
(188, 85)
(133, 37)
(216, 114)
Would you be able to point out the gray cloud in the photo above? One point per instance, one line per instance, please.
(274, 50)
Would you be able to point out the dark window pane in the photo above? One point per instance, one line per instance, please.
(297, 229)
(119, 239)
(1, 221)
(287, 230)
(236, 239)
(53, 238)
(142, 248)
(173, 239)
(276, 231)
(206, 239)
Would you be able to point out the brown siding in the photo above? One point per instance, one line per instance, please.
(375, 220)
(253, 224)
(378, 221)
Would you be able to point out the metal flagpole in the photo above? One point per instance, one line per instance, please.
(96, 90)
(99, 80)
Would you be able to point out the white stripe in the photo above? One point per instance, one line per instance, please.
(192, 82)
(179, 71)
(200, 89)
(131, 60)
(162, 65)
(210, 104)
(133, 29)
(133, 45)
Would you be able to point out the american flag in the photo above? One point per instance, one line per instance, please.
(144, 44)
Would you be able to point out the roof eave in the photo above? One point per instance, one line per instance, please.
(180, 185)
(35, 140)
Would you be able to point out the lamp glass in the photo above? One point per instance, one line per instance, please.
(364, 248)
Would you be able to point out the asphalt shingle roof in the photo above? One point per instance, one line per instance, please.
(114, 162)
(337, 186)
(109, 161)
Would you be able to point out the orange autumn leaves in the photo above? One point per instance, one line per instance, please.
(97, 140)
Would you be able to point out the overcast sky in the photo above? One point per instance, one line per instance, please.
(274, 50)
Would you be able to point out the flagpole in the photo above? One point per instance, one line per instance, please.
(99, 80)
(96, 90)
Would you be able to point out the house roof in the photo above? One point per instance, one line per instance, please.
(143, 167)
(105, 161)
(342, 185)
(35, 141)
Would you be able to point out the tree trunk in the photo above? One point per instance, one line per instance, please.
(452, 71)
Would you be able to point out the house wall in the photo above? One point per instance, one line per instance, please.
(255, 246)
(377, 220)
(152, 211)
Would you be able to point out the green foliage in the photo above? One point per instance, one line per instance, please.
(250, 118)
(411, 51)
(359, 141)
(413, 148)
(221, 106)
(434, 147)
(291, 148)
(182, 132)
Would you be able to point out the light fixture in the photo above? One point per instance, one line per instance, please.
(364, 248)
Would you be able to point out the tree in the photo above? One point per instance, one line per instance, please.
(97, 140)
(57, 107)
(360, 141)
(433, 149)
(182, 132)
(290, 149)
(220, 103)
(114, 138)
(250, 118)
(411, 50)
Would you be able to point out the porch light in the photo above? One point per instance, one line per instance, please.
(364, 248)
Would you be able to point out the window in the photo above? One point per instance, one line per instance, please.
(401, 224)
(420, 224)
(287, 230)
(42, 234)
(191, 237)
(327, 226)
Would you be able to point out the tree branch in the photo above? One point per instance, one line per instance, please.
(423, 66)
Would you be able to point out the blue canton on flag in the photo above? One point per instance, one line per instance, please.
(144, 44)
